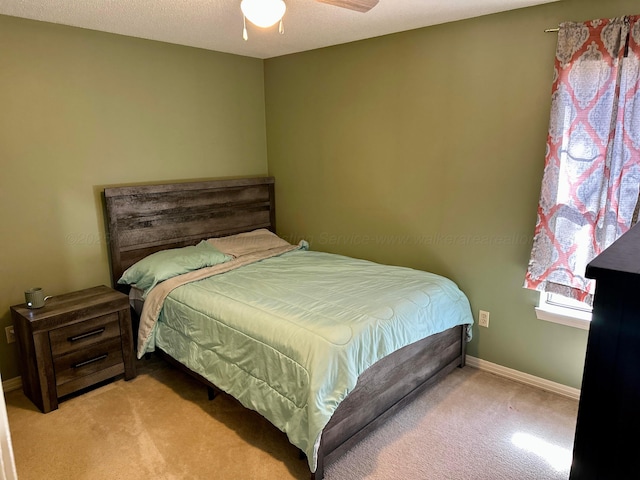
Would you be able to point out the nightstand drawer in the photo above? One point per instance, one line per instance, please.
(87, 361)
(84, 334)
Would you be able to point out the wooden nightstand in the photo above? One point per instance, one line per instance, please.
(75, 341)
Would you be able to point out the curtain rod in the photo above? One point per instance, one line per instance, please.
(552, 30)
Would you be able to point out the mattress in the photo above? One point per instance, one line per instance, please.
(289, 335)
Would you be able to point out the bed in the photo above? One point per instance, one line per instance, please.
(326, 395)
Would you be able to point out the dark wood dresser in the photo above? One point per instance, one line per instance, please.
(606, 442)
(73, 342)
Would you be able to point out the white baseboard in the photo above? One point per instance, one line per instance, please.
(12, 384)
(525, 378)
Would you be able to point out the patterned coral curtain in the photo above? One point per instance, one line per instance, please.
(591, 178)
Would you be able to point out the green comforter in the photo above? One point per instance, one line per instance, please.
(288, 336)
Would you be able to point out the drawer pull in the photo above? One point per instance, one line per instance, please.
(92, 360)
(85, 335)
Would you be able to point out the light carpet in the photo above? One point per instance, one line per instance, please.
(471, 425)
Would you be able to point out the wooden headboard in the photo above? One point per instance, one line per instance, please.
(148, 218)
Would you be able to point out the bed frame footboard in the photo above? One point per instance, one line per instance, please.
(386, 387)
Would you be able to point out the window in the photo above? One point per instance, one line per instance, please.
(566, 311)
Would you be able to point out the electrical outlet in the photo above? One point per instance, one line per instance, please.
(483, 319)
(11, 334)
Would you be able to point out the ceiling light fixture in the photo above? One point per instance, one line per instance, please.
(262, 13)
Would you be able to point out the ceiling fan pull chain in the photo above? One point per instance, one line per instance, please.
(244, 29)
(281, 27)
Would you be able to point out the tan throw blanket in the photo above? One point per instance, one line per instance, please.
(247, 248)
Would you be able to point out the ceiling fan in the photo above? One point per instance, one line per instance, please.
(357, 5)
(265, 13)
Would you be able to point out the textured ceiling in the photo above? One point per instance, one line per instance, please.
(217, 24)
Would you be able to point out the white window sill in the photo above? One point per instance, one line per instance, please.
(564, 316)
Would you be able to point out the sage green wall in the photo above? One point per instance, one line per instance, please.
(425, 149)
(80, 110)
